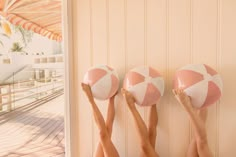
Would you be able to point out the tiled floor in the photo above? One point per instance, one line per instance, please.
(35, 130)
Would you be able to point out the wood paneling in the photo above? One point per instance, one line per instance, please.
(227, 122)
(179, 55)
(205, 51)
(165, 34)
(85, 61)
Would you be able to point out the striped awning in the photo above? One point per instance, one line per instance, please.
(41, 16)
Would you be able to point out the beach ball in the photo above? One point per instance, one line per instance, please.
(199, 81)
(103, 80)
(145, 84)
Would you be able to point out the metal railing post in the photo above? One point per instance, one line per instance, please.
(9, 100)
(0, 99)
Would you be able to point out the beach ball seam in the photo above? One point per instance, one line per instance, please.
(103, 80)
(146, 84)
(202, 83)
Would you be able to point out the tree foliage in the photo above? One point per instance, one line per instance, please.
(16, 47)
(26, 35)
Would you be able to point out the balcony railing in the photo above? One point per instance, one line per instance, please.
(41, 83)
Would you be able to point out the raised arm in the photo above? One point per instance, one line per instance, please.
(146, 146)
(152, 124)
(109, 123)
(185, 101)
(140, 125)
(197, 123)
(106, 143)
(97, 114)
(110, 114)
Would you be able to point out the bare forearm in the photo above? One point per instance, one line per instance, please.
(192, 149)
(152, 125)
(110, 112)
(99, 152)
(110, 117)
(153, 118)
(98, 117)
(140, 125)
(197, 123)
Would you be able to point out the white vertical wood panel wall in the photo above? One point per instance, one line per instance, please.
(165, 34)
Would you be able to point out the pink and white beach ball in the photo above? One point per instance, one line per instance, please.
(103, 80)
(199, 81)
(146, 84)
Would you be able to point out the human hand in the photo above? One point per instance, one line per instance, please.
(129, 98)
(182, 98)
(113, 97)
(87, 89)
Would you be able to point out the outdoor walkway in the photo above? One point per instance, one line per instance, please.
(35, 130)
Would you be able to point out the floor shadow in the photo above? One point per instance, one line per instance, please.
(46, 125)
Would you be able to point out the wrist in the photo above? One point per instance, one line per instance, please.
(92, 101)
(188, 107)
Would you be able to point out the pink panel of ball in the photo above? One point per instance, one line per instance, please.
(146, 85)
(103, 80)
(201, 82)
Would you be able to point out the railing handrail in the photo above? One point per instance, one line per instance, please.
(24, 90)
(12, 83)
(28, 96)
(39, 89)
(24, 81)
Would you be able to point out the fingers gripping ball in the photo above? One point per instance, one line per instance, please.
(199, 81)
(146, 85)
(103, 80)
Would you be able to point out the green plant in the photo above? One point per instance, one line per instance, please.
(16, 47)
(8, 29)
(26, 35)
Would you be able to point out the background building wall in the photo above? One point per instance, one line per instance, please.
(164, 34)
